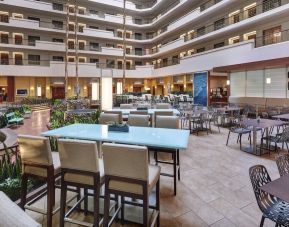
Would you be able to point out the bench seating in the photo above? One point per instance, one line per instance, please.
(13, 215)
(12, 119)
(11, 138)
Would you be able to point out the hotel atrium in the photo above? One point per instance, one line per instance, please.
(144, 113)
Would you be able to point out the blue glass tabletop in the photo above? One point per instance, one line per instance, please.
(144, 136)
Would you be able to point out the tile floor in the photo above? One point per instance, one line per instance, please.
(214, 189)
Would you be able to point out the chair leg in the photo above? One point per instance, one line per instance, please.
(106, 205)
(24, 181)
(145, 210)
(158, 202)
(50, 199)
(96, 204)
(122, 210)
(62, 202)
(240, 140)
(228, 138)
(262, 221)
(85, 202)
(175, 173)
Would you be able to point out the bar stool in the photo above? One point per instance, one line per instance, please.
(138, 120)
(118, 112)
(134, 181)
(80, 167)
(170, 122)
(105, 118)
(39, 162)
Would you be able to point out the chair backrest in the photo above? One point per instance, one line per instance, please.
(118, 112)
(117, 159)
(126, 106)
(163, 106)
(163, 113)
(282, 162)
(139, 112)
(259, 176)
(35, 149)
(167, 122)
(106, 118)
(138, 120)
(285, 135)
(78, 155)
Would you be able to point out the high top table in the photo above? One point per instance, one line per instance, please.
(257, 125)
(162, 138)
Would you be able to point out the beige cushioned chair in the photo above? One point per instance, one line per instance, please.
(167, 122)
(126, 106)
(130, 179)
(162, 113)
(139, 112)
(138, 120)
(163, 106)
(81, 168)
(12, 215)
(105, 118)
(118, 112)
(38, 161)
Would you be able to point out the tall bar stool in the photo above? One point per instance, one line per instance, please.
(126, 180)
(169, 122)
(118, 112)
(105, 118)
(163, 106)
(162, 113)
(80, 167)
(138, 120)
(39, 162)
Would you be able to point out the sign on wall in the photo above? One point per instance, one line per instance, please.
(201, 88)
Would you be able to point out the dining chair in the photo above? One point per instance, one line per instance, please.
(38, 162)
(169, 122)
(139, 112)
(163, 106)
(162, 113)
(272, 208)
(126, 106)
(106, 118)
(118, 112)
(82, 168)
(135, 181)
(240, 131)
(138, 120)
(282, 162)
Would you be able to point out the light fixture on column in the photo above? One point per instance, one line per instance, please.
(268, 80)
(228, 82)
(106, 89)
(95, 91)
(39, 91)
(119, 90)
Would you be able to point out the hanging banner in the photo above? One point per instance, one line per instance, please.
(201, 88)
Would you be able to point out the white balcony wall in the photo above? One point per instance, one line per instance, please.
(112, 51)
(29, 4)
(23, 23)
(185, 19)
(51, 46)
(172, 45)
(98, 33)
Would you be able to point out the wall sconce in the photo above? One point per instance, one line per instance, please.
(69, 87)
(268, 80)
(85, 88)
(47, 88)
(228, 82)
(32, 88)
(39, 91)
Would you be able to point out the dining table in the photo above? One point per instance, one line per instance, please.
(258, 125)
(284, 117)
(278, 188)
(174, 140)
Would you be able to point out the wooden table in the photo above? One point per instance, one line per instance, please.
(257, 125)
(278, 188)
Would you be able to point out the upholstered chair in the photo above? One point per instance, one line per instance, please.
(138, 120)
(163, 113)
(167, 122)
(39, 162)
(106, 118)
(118, 112)
(139, 112)
(80, 167)
(126, 106)
(163, 106)
(134, 179)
